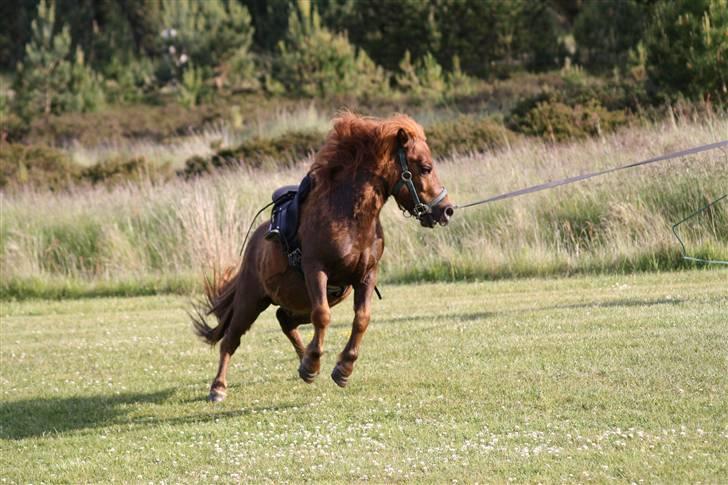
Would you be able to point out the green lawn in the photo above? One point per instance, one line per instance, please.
(582, 379)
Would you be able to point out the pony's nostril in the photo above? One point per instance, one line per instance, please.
(449, 211)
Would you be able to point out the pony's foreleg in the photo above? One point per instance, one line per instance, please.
(362, 314)
(289, 325)
(244, 314)
(320, 316)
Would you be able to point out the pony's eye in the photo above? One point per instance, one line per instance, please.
(426, 170)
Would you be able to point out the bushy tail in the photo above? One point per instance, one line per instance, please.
(219, 299)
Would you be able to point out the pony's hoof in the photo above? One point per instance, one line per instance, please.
(306, 375)
(216, 395)
(339, 378)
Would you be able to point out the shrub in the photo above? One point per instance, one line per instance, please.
(138, 121)
(35, 166)
(45, 168)
(281, 151)
(557, 121)
(117, 171)
(12, 128)
(687, 47)
(576, 105)
(467, 134)
(422, 79)
(315, 62)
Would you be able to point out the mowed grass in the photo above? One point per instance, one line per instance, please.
(584, 379)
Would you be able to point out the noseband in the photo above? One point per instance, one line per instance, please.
(420, 209)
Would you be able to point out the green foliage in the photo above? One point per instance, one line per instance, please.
(386, 29)
(47, 81)
(557, 121)
(85, 89)
(575, 105)
(120, 171)
(606, 31)
(35, 166)
(130, 82)
(45, 168)
(278, 152)
(458, 82)
(270, 18)
(517, 34)
(467, 134)
(423, 79)
(214, 35)
(192, 89)
(315, 62)
(687, 48)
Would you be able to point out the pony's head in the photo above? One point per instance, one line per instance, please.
(414, 181)
(394, 150)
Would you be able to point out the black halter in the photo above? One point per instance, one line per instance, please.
(419, 209)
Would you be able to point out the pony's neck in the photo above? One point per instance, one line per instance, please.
(370, 193)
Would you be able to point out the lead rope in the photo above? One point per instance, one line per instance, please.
(577, 178)
(682, 244)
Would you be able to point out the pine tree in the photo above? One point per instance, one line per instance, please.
(45, 71)
(316, 62)
(47, 81)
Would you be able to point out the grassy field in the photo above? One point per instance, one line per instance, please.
(583, 379)
(159, 238)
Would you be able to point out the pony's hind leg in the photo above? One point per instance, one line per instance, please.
(289, 324)
(245, 312)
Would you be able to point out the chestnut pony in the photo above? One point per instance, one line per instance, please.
(362, 163)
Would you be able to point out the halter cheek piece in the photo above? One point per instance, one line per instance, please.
(420, 209)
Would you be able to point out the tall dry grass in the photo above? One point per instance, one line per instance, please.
(146, 238)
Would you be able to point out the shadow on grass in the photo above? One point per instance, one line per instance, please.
(31, 418)
(214, 414)
(464, 317)
(38, 417)
(622, 302)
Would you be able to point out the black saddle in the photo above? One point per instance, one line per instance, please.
(287, 203)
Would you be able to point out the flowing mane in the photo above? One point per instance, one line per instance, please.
(361, 143)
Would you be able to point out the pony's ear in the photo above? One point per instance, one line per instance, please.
(402, 137)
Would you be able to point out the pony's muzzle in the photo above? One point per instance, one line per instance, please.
(447, 212)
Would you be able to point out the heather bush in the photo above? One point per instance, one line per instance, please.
(120, 171)
(556, 121)
(467, 134)
(278, 152)
(35, 166)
